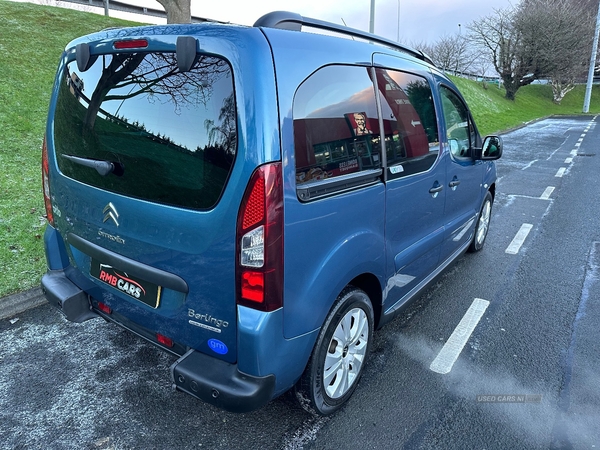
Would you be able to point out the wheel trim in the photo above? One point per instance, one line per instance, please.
(346, 353)
(484, 222)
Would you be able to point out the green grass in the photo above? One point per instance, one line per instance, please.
(493, 113)
(31, 42)
(32, 38)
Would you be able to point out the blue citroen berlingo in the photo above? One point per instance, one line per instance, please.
(257, 200)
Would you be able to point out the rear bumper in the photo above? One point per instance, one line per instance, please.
(204, 377)
(220, 383)
(67, 297)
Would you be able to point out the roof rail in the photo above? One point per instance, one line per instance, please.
(292, 21)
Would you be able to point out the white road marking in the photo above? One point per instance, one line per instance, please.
(547, 193)
(577, 144)
(560, 172)
(568, 160)
(519, 239)
(574, 152)
(456, 342)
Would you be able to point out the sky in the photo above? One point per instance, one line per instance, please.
(418, 21)
(413, 21)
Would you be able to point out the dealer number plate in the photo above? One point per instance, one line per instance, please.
(134, 287)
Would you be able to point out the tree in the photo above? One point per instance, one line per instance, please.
(537, 39)
(501, 39)
(557, 32)
(127, 75)
(178, 11)
(450, 53)
(481, 67)
(224, 133)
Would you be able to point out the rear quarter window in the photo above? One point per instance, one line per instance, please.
(171, 136)
(336, 128)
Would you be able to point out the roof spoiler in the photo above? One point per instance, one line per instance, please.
(284, 20)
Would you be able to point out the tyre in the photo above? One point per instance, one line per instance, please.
(340, 354)
(483, 224)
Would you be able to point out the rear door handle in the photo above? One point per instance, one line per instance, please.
(454, 183)
(435, 190)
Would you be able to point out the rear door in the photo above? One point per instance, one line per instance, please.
(147, 193)
(415, 190)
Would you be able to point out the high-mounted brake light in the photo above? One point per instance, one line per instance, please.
(132, 43)
(46, 183)
(259, 266)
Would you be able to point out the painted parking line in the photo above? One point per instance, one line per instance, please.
(568, 160)
(574, 152)
(547, 193)
(449, 353)
(519, 239)
(560, 172)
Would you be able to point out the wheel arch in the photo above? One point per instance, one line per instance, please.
(492, 190)
(369, 283)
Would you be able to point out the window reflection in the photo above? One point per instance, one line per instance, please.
(459, 131)
(335, 124)
(411, 134)
(174, 133)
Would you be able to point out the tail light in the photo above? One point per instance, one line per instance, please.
(46, 183)
(259, 267)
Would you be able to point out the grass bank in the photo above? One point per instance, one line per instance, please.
(31, 41)
(494, 113)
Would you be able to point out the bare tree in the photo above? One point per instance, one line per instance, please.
(128, 75)
(482, 67)
(555, 32)
(450, 53)
(498, 36)
(224, 133)
(178, 11)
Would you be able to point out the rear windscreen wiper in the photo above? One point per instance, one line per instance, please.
(102, 167)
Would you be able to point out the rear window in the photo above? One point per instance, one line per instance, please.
(135, 125)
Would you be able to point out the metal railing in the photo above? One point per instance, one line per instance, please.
(128, 8)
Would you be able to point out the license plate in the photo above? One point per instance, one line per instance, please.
(141, 290)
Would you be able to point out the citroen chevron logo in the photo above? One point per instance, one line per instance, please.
(110, 212)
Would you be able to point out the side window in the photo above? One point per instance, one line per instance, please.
(411, 133)
(460, 133)
(336, 128)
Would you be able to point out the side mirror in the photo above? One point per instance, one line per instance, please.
(490, 150)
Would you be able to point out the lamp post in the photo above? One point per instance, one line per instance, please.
(372, 18)
(398, 38)
(590, 80)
